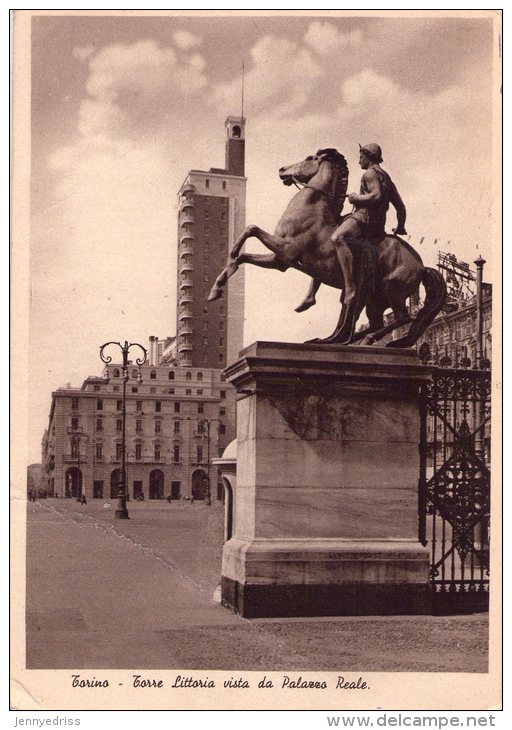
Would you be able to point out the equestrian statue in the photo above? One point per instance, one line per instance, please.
(373, 269)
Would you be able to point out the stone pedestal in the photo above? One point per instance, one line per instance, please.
(326, 499)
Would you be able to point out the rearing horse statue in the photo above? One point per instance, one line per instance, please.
(302, 241)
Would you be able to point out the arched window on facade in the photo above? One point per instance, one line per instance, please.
(152, 375)
(171, 374)
(199, 376)
(115, 373)
(188, 376)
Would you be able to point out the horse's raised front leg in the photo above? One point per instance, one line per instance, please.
(282, 258)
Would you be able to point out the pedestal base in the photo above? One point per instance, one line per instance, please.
(326, 499)
(325, 578)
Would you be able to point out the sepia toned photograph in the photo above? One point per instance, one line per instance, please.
(256, 306)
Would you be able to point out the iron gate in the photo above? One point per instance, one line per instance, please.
(455, 486)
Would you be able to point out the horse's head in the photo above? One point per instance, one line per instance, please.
(305, 170)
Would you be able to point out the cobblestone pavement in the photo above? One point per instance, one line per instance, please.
(138, 593)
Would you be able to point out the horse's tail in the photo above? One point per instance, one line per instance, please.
(435, 297)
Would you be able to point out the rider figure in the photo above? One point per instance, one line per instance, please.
(367, 220)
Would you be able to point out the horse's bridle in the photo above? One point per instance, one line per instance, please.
(322, 192)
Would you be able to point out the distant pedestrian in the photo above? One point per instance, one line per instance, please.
(192, 499)
(169, 499)
(83, 499)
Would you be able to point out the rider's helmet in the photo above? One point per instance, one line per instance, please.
(373, 151)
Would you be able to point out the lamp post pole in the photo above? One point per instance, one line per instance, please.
(75, 440)
(206, 422)
(122, 511)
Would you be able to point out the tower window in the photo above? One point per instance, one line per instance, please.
(152, 375)
(207, 183)
(223, 184)
(237, 132)
(188, 376)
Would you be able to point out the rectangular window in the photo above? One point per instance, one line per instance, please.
(200, 408)
(200, 428)
(99, 424)
(176, 427)
(222, 411)
(176, 407)
(223, 184)
(222, 393)
(74, 423)
(188, 391)
(138, 426)
(158, 406)
(176, 454)
(99, 451)
(207, 183)
(199, 391)
(99, 405)
(74, 449)
(119, 451)
(115, 389)
(97, 387)
(138, 451)
(199, 454)
(157, 453)
(74, 403)
(152, 390)
(119, 425)
(221, 357)
(158, 426)
(135, 389)
(119, 405)
(138, 405)
(171, 391)
(222, 428)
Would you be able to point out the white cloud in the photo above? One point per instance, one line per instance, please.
(325, 38)
(83, 52)
(278, 81)
(185, 40)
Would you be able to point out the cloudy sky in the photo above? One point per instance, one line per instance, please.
(123, 107)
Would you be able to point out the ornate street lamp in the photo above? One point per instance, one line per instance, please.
(208, 499)
(76, 438)
(121, 511)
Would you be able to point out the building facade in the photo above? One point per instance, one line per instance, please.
(177, 419)
(210, 219)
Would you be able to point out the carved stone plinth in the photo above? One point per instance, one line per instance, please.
(326, 499)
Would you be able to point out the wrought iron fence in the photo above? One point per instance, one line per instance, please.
(455, 485)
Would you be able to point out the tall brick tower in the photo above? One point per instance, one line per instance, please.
(211, 217)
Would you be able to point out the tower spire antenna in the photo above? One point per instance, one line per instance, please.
(243, 83)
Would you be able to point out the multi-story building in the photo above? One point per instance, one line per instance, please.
(211, 217)
(177, 419)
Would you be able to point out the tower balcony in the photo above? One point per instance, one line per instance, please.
(185, 347)
(188, 188)
(184, 235)
(187, 328)
(185, 314)
(186, 283)
(186, 266)
(187, 203)
(186, 217)
(185, 299)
